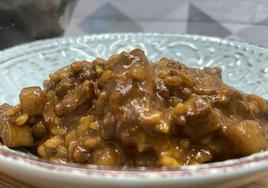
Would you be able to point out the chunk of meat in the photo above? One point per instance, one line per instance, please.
(64, 86)
(201, 118)
(78, 97)
(51, 120)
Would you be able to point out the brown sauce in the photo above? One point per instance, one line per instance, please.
(125, 111)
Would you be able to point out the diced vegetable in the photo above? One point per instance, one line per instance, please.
(14, 136)
(32, 100)
(247, 137)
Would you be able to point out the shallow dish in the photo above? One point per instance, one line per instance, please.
(244, 66)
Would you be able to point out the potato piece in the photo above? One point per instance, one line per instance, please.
(162, 73)
(105, 77)
(14, 136)
(203, 156)
(157, 120)
(60, 74)
(168, 161)
(52, 148)
(139, 73)
(21, 120)
(99, 65)
(247, 137)
(91, 142)
(77, 66)
(151, 118)
(32, 100)
(173, 81)
(87, 73)
(107, 156)
(100, 103)
(179, 109)
(70, 137)
(84, 126)
(53, 142)
(39, 129)
(80, 155)
(12, 111)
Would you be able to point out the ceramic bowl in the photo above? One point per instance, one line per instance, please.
(244, 66)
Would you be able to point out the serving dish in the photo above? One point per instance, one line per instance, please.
(244, 67)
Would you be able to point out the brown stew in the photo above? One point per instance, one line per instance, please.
(125, 111)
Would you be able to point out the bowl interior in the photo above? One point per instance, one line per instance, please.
(29, 64)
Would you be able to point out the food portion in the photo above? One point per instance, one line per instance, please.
(126, 111)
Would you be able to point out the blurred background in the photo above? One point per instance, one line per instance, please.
(22, 21)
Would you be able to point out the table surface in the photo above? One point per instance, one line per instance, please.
(6, 181)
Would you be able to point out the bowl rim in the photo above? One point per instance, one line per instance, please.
(245, 46)
(257, 160)
(184, 171)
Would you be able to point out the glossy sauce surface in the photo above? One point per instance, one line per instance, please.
(126, 111)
